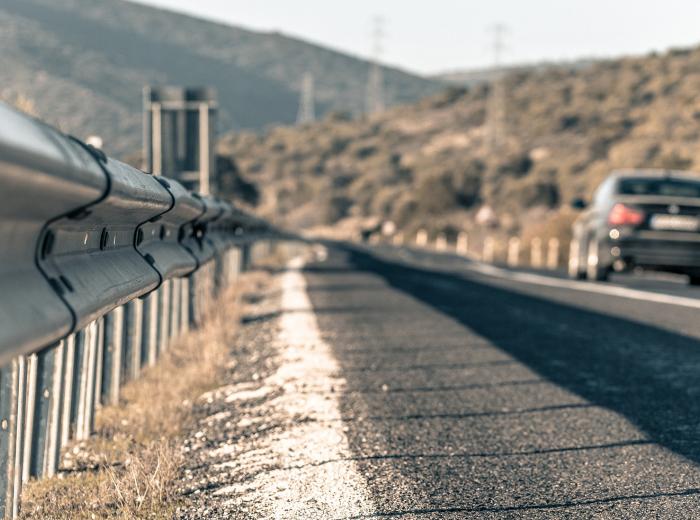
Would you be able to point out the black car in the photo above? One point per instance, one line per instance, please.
(639, 218)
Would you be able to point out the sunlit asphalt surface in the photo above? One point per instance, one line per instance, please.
(426, 389)
(483, 398)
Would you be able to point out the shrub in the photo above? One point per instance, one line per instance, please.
(674, 161)
(540, 193)
(517, 166)
(336, 208)
(435, 193)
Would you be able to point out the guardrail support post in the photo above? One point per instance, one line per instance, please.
(112, 356)
(175, 295)
(219, 271)
(513, 258)
(68, 390)
(536, 253)
(462, 243)
(149, 346)
(553, 253)
(487, 254)
(245, 257)
(45, 414)
(133, 339)
(185, 305)
(98, 372)
(12, 408)
(163, 318)
(226, 270)
(203, 293)
(32, 362)
(441, 242)
(82, 338)
(211, 287)
(193, 295)
(236, 262)
(84, 380)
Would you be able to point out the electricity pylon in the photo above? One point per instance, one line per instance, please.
(307, 104)
(375, 82)
(496, 113)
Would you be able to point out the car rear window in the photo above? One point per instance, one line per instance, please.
(664, 187)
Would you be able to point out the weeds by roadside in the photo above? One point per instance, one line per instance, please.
(128, 469)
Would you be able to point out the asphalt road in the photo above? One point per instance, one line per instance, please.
(436, 388)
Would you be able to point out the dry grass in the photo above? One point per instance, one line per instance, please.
(129, 468)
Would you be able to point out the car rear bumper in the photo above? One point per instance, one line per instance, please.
(656, 250)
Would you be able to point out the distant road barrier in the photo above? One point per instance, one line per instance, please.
(101, 267)
(542, 254)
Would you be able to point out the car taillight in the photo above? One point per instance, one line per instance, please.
(621, 215)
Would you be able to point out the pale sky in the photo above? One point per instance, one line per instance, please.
(439, 35)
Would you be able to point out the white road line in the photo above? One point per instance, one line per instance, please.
(591, 287)
(312, 491)
(338, 487)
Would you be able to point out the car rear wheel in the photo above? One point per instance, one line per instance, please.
(575, 270)
(595, 270)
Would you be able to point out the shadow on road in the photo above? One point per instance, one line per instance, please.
(649, 375)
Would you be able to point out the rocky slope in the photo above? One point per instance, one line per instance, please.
(431, 165)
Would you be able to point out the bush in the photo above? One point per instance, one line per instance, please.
(336, 209)
(540, 193)
(365, 151)
(435, 193)
(404, 211)
(449, 96)
(516, 166)
(231, 183)
(569, 122)
(467, 184)
(674, 161)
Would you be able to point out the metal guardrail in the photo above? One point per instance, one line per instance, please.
(101, 267)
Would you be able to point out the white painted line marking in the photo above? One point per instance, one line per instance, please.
(339, 487)
(599, 288)
(311, 491)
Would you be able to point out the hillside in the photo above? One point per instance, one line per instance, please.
(428, 164)
(472, 77)
(81, 64)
